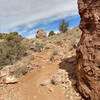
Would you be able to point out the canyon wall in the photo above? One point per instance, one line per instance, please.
(88, 50)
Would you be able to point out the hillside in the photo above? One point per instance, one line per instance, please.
(48, 73)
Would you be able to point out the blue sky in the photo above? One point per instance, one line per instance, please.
(26, 16)
(54, 25)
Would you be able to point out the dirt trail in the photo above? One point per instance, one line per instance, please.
(29, 88)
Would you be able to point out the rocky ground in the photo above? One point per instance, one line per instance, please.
(51, 73)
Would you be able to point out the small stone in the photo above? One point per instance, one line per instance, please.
(77, 94)
(45, 83)
(51, 89)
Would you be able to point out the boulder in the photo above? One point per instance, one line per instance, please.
(8, 79)
(41, 33)
(88, 50)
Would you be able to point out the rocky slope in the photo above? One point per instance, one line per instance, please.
(88, 50)
(51, 72)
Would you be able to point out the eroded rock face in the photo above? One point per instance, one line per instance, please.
(41, 33)
(88, 50)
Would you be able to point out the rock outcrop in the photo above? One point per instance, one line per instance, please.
(41, 33)
(9, 79)
(88, 50)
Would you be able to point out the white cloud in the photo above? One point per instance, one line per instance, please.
(14, 13)
(30, 36)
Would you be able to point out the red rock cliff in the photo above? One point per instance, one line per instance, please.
(88, 50)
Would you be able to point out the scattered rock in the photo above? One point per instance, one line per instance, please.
(56, 58)
(33, 66)
(62, 80)
(6, 70)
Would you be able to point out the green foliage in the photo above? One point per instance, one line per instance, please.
(63, 26)
(37, 42)
(38, 45)
(11, 49)
(14, 33)
(4, 36)
(51, 33)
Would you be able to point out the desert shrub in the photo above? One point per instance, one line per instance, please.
(21, 71)
(31, 57)
(55, 52)
(11, 50)
(63, 26)
(4, 36)
(1, 36)
(15, 33)
(58, 42)
(38, 45)
(52, 82)
(51, 33)
(37, 42)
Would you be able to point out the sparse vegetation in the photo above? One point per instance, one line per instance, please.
(63, 26)
(4, 35)
(38, 45)
(11, 49)
(58, 42)
(39, 61)
(21, 71)
(55, 52)
(51, 33)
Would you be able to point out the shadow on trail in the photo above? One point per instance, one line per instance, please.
(70, 65)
